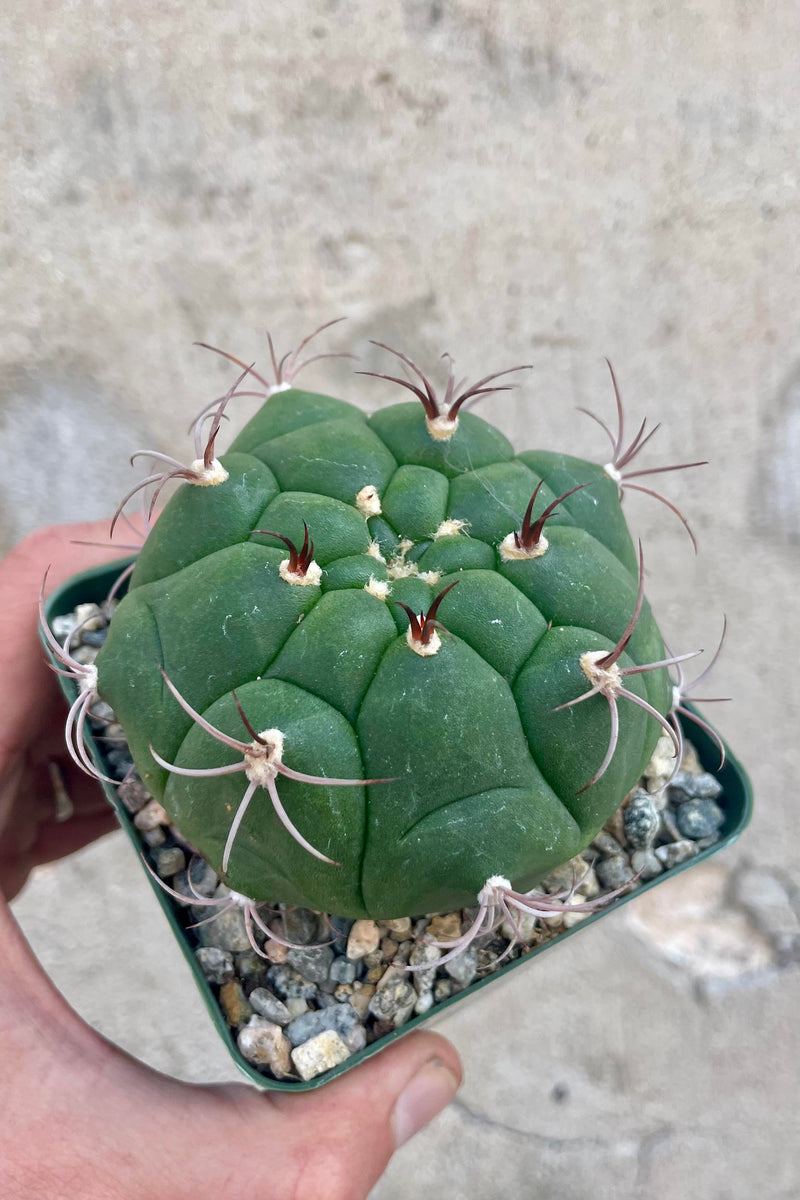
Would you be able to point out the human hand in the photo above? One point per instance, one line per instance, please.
(82, 1118)
(32, 722)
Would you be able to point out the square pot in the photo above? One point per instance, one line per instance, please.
(93, 586)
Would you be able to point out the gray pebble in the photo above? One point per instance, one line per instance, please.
(250, 967)
(606, 845)
(640, 820)
(676, 853)
(133, 794)
(216, 964)
(168, 861)
(487, 957)
(443, 989)
(699, 818)
(266, 1005)
(63, 625)
(342, 970)
(289, 985)
(694, 787)
(122, 769)
(300, 925)
(227, 931)
(313, 963)
(565, 877)
(394, 1001)
(403, 953)
(464, 967)
(341, 927)
(613, 872)
(296, 1006)
(203, 876)
(646, 865)
(668, 830)
(154, 837)
(180, 883)
(269, 1006)
(341, 1017)
(356, 1039)
(93, 637)
(421, 953)
(86, 655)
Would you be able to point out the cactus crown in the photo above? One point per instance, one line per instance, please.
(429, 738)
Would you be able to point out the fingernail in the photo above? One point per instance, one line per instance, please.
(431, 1090)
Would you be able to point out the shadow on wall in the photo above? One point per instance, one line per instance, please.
(64, 452)
(777, 483)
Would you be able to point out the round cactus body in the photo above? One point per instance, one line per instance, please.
(327, 658)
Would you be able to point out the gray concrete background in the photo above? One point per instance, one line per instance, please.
(510, 182)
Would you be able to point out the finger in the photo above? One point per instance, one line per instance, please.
(32, 828)
(48, 739)
(10, 780)
(31, 795)
(58, 840)
(85, 794)
(53, 842)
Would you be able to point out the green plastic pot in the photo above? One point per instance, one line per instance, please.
(94, 585)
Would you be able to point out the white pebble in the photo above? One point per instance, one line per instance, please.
(521, 928)
(399, 927)
(151, 816)
(319, 1054)
(364, 938)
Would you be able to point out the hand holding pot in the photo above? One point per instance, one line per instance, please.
(82, 1117)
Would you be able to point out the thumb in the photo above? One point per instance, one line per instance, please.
(349, 1129)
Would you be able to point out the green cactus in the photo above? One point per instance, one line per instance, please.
(353, 598)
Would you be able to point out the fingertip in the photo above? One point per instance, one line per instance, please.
(425, 1095)
(430, 1045)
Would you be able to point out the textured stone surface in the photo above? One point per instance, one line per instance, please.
(511, 183)
(321, 1053)
(264, 1043)
(363, 940)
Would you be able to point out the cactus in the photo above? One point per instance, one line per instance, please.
(374, 665)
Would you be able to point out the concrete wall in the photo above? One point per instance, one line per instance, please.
(509, 182)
